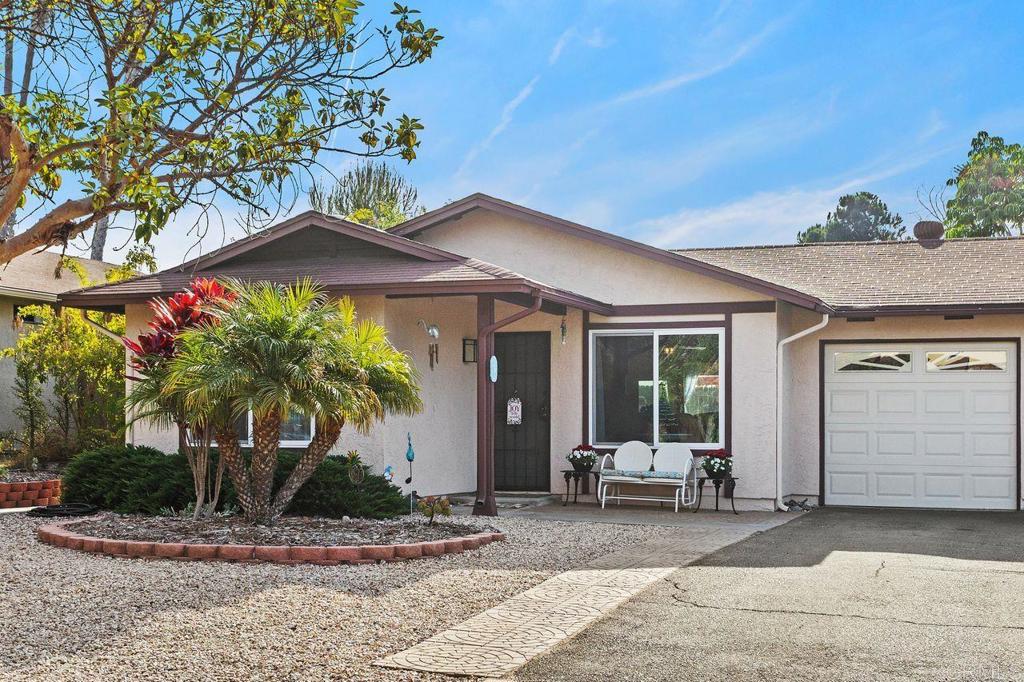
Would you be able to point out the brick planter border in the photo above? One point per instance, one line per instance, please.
(58, 535)
(30, 494)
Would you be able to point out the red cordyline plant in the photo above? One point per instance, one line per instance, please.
(150, 355)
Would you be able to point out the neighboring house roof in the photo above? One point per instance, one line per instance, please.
(457, 209)
(878, 278)
(35, 276)
(426, 271)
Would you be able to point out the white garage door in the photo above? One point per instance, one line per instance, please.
(921, 425)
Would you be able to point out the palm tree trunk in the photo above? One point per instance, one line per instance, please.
(231, 456)
(327, 433)
(266, 437)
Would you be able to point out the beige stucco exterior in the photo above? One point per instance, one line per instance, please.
(444, 434)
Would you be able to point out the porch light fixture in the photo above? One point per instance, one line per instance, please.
(469, 350)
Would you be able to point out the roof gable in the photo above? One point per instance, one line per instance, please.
(310, 220)
(457, 209)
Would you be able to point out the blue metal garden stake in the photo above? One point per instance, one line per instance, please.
(410, 455)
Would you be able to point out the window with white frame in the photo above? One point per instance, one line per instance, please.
(657, 386)
(296, 430)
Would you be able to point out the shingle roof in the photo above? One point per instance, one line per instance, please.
(383, 276)
(851, 277)
(33, 275)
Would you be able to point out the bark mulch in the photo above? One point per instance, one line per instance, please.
(289, 530)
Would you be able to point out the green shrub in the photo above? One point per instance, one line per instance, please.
(132, 479)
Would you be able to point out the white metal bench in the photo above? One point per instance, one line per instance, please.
(635, 464)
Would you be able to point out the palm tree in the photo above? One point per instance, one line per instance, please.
(277, 350)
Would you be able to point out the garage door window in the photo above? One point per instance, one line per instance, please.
(873, 361)
(967, 361)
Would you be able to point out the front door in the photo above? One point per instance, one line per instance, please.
(522, 453)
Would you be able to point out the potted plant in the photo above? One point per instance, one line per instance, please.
(583, 457)
(717, 464)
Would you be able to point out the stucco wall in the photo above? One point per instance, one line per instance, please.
(801, 432)
(444, 434)
(583, 266)
(753, 405)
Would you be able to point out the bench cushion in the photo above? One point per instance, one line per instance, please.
(621, 473)
(670, 475)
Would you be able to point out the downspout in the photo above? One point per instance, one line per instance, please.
(487, 505)
(779, 404)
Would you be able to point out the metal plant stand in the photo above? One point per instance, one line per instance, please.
(730, 490)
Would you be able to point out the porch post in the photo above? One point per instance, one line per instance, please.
(485, 504)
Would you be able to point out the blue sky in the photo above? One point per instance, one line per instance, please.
(701, 123)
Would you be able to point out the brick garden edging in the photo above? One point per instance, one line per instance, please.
(29, 494)
(56, 534)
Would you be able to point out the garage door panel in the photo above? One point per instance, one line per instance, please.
(896, 443)
(849, 402)
(922, 438)
(992, 487)
(896, 485)
(939, 444)
(994, 445)
(993, 402)
(890, 401)
(849, 443)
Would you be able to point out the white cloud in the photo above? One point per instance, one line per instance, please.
(769, 217)
(507, 114)
(702, 72)
(932, 126)
(559, 46)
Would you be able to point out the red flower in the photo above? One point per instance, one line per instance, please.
(720, 453)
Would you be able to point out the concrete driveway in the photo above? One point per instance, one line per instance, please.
(836, 595)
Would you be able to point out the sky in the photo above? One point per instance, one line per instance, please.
(696, 123)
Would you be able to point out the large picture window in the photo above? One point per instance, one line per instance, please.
(657, 386)
(296, 430)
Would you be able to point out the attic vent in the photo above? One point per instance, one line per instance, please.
(928, 230)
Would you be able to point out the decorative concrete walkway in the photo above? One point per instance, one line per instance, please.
(502, 639)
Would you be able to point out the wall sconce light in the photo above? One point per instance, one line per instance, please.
(469, 350)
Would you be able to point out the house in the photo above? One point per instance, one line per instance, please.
(31, 279)
(876, 374)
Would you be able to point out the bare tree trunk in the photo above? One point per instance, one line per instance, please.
(266, 436)
(327, 433)
(99, 238)
(231, 455)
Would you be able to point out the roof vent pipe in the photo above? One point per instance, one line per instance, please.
(929, 230)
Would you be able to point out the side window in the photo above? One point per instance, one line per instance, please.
(873, 361)
(967, 361)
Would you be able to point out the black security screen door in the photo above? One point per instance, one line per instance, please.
(522, 454)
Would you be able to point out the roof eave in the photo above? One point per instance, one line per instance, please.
(930, 309)
(115, 302)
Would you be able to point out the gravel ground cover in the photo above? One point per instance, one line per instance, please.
(289, 530)
(23, 475)
(74, 616)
